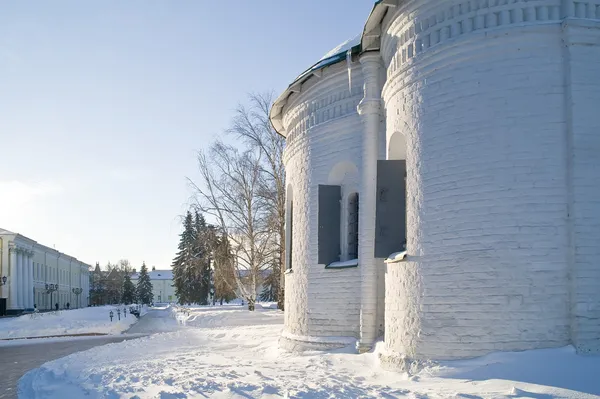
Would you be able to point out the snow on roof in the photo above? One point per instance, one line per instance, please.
(342, 47)
(368, 40)
(156, 275)
(335, 55)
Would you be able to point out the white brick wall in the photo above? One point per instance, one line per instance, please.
(483, 114)
(583, 57)
(324, 139)
(497, 104)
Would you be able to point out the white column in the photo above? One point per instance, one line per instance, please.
(86, 291)
(12, 282)
(20, 280)
(30, 284)
(370, 112)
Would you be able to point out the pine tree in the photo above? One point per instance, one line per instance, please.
(181, 275)
(224, 278)
(128, 290)
(202, 273)
(191, 266)
(144, 286)
(271, 284)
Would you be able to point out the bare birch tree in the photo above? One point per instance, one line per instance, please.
(252, 124)
(229, 191)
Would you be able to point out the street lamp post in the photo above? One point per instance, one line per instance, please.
(50, 288)
(3, 280)
(77, 292)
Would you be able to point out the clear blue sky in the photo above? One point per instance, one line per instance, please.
(103, 105)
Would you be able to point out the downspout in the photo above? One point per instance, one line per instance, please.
(369, 110)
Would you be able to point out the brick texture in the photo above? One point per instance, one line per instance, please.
(325, 148)
(484, 122)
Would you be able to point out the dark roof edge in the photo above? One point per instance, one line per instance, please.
(375, 18)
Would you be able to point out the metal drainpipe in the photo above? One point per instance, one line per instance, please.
(369, 110)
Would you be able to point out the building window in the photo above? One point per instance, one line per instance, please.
(353, 226)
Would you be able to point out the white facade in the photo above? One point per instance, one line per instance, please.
(491, 106)
(29, 266)
(162, 285)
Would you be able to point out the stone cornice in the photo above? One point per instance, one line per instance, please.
(411, 36)
(439, 57)
(315, 136)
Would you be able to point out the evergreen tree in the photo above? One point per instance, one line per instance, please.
(202, 257)
(181, 263)
(144, 286)
(224, 278)
(128, 290)
(271, 284)
(191, 266)
(97, 286)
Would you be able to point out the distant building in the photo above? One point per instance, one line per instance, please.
(32, 270)
(162, 285)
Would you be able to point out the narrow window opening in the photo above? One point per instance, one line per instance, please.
(353, 226)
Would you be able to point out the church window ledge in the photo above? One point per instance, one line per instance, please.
(343, 264)
(396, 257)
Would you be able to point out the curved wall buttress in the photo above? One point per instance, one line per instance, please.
(323, 148)
(477, 90)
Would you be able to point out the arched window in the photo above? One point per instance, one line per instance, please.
(353, 226)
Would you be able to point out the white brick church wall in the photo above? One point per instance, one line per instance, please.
(480, 97)
(323, 147)
(494, 106)
(583, 57)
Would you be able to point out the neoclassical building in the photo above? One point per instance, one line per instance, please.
(442, 182)
(31, 268)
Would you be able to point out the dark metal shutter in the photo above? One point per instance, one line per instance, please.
(329, 224)
(390, 219)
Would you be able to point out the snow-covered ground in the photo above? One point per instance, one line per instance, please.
(75, 321)
(233, 353)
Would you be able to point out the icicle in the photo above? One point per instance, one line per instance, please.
(349, 64)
